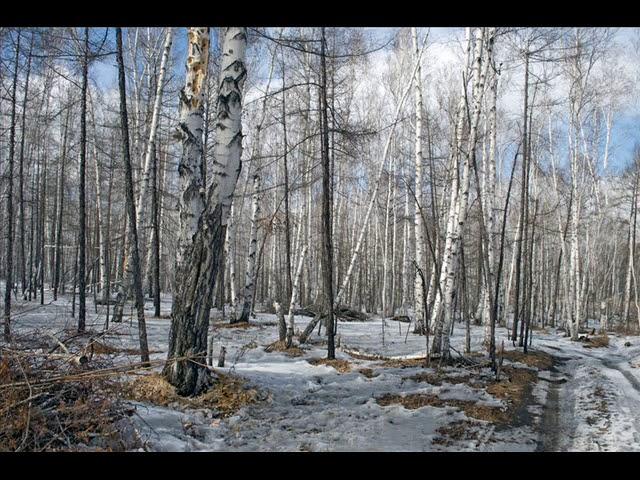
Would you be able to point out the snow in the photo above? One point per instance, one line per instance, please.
(315, 408)
(598, 404)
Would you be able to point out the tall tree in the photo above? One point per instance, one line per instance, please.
(9, 219)
(185, 367)
(327, 252)
(82, 261)
(131, 206)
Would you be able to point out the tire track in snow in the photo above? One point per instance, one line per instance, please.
(598, 385)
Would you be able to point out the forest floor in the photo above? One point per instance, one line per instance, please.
(377, 395)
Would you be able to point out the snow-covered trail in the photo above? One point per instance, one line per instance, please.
(598, 407)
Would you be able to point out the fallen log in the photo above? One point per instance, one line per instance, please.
(399, 318)
(350, 315)
(304, 312)
(110, 301)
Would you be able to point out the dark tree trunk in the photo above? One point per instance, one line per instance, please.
(327, 262)
(82, 261)
(156, 236)
(492, 345)
(23, 280)
(516, 311)
(131, 207)
(9, 219)
(60, 209)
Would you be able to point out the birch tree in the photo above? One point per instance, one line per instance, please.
(185, 368)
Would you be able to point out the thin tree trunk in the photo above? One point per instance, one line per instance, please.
(21, 264)
(82, 294)
(9, 219)
(131, 207)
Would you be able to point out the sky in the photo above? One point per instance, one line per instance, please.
(445, 47)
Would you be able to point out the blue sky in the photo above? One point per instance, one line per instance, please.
(623, 136)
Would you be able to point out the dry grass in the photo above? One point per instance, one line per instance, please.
(281, 346)
(99, 348)
(456, 431)
(65, 415)
(536, 359)
(368, 372)
(341, 366)
(227, 395)
(438, 378)
(404, 363)
(513, 389)
(241, 325)
(514, 385)
(598, 341)
(471, 409)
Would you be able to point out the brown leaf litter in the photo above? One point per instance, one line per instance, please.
(342, 366)
(368, 372)
(239, 325)
(403, 363)
(99, 348)
(437, 378)
(536, 359)
(513, 389)
(597, 341)
(471, 408)
(281, 346)
(463, 430)
(227, 394)
(58, 415)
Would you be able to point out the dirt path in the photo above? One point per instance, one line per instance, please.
(596, 409)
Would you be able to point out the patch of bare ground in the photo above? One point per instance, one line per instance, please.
(403, 363)
(597, 341)
(598, 409)
(281, 346)
(368, 372)
(601, 405)
(514, 389)
(436, 378)
(250, 346)
(513, 385)
(227, 394)
(463, 430)
(536, 359)
(342, 366)
(471, 409)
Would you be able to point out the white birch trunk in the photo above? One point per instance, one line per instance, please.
(294, 297)
(249, 283)
(191, 197)
(479, 73)
(374, 194)
(418, 291)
